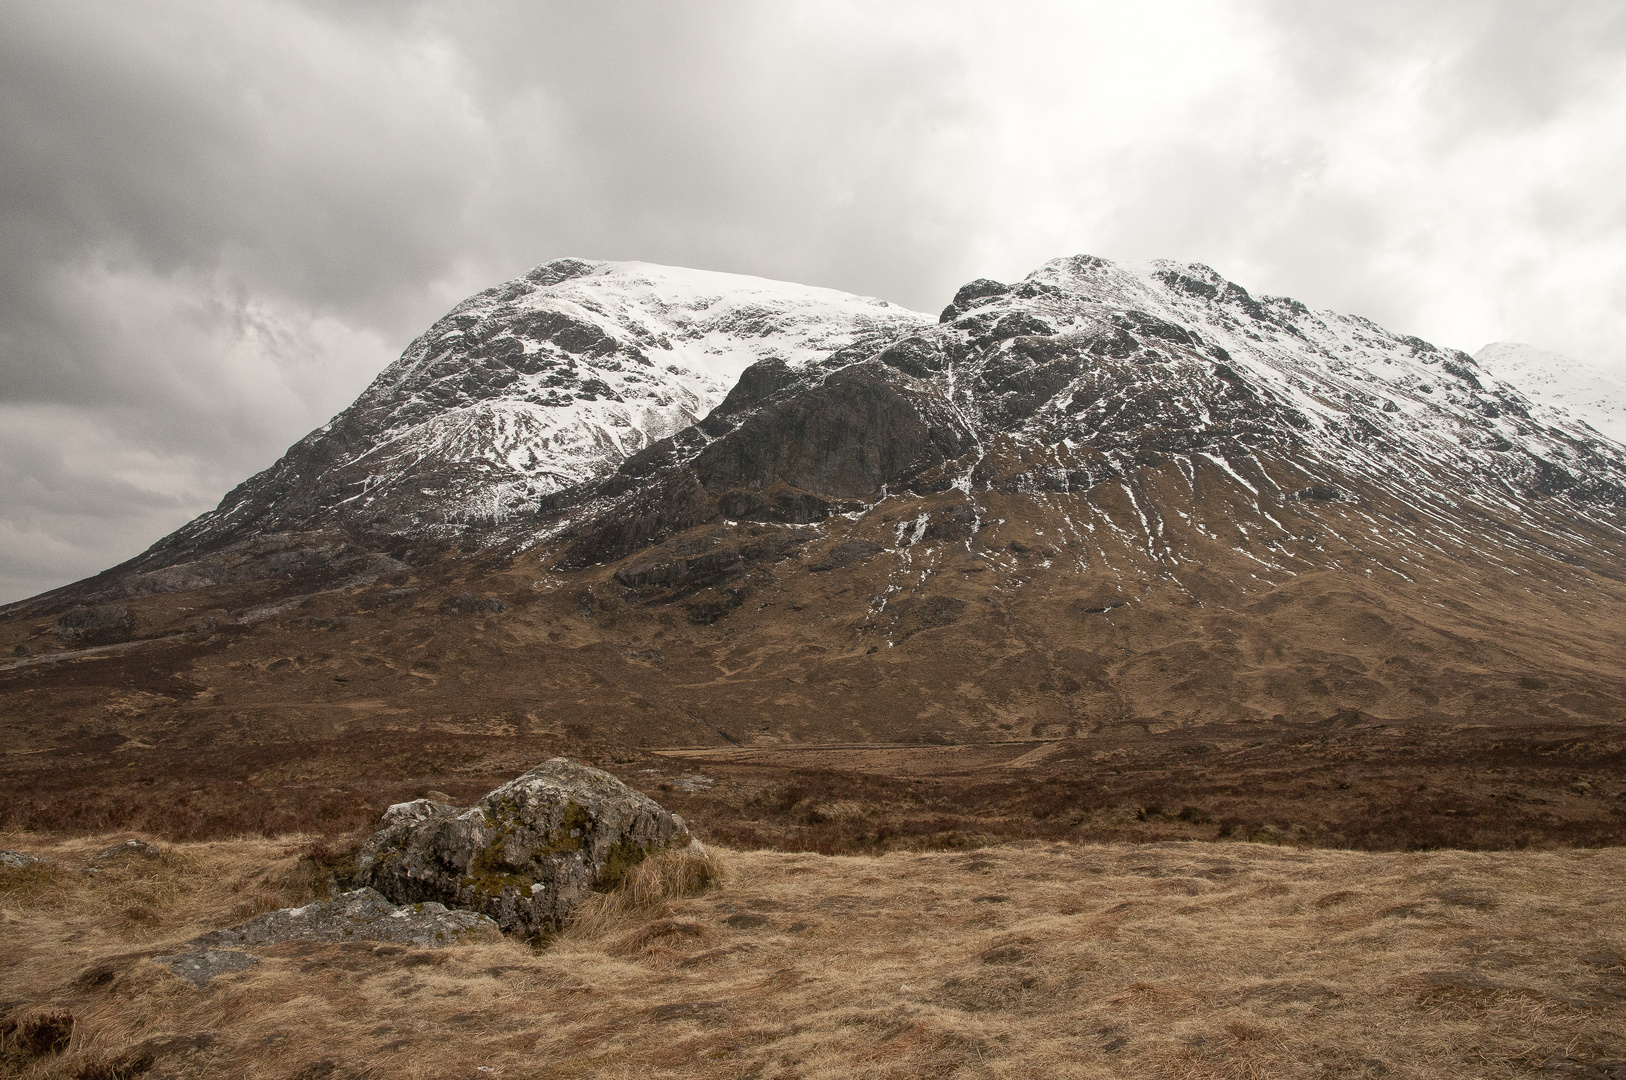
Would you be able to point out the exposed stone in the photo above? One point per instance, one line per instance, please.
(467, 603)
(199, 967)
(104, 625)
(527, 853)
(128, 849)
(16, 860)
(359, 915)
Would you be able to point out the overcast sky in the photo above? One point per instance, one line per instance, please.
(218, 221)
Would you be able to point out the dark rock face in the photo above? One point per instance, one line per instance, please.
(106, 624)
(527, 853)
(842, 439)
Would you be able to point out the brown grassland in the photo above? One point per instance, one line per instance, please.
(1197, 959)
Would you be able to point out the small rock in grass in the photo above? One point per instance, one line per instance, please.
(16, 860)
(199, 967)
(127, 850)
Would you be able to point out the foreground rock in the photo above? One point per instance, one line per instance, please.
(359, 915)
(527, 853)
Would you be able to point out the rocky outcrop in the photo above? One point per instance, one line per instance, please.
(106, 624)
(360, 915)
(527, 853)
(125, 850)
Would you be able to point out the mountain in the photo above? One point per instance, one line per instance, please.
(1135, 510)
(1584, 392)
(536, 386)
(567, 406)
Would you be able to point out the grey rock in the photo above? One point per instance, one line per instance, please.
(362, 915)
(527, 853)
(128, 849)
(17, 860)
(199, 967)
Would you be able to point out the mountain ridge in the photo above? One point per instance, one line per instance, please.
(498, 423)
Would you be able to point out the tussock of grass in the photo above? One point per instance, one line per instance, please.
(647, 888)
(1054, 960)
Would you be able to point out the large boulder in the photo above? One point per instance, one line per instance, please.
(527, 853)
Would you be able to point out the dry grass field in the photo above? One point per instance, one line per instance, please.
(1033, 959)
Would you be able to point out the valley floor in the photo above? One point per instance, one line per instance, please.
(1197, 959)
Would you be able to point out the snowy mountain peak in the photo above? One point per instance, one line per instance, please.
(543, 383)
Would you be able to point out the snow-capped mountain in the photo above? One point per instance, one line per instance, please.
(1585, 392)
(1148, 391)
(600, 408)
(538, 385)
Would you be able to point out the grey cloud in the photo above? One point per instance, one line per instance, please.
(78, 499)
(1485, 63)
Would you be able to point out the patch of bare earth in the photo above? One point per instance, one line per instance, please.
(1030, 959)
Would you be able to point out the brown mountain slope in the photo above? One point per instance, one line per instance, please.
(313, 709)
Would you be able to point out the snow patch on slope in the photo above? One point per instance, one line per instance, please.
(1585, 392)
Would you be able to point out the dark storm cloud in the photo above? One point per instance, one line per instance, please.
(219, 221)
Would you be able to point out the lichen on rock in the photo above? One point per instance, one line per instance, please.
(527, 853)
